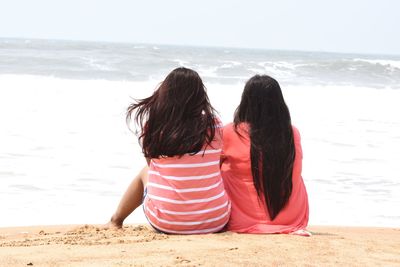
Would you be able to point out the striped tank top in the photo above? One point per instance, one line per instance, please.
(186, 195)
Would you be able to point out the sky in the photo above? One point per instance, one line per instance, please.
(353, 26)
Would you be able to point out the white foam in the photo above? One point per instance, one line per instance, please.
(96, 64)
(278, 69)
(228, 64)
(67, 155)
(383, 62)
(181, 63)
(208, 72)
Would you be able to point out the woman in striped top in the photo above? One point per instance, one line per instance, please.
(181, 140)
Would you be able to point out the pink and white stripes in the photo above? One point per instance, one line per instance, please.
(186, 195)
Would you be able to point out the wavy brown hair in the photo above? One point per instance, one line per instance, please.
(177, 119)
(272, 150)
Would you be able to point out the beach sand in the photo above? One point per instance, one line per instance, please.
(139, 245)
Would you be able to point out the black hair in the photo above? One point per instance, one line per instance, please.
(177, 119)
(272, 150)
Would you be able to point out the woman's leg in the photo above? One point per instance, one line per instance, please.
(131, 199)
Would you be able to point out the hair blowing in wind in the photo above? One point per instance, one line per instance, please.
(177, 119)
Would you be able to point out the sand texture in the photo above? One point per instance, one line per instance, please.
(139, 245)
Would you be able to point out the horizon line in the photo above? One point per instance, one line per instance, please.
(205, 46)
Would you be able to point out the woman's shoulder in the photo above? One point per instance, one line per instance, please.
(234, 133)
(217, 122)
(296, 132)
(228, 130)
(228, 127)
(241, 127)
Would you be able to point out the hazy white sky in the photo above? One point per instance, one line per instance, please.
(364, 26)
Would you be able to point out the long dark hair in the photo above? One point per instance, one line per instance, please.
(272, 150)
(177, 119)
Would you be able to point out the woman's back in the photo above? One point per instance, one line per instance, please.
(249, 213)
(181, 139)
(185, 195)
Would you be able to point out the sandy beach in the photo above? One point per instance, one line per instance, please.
(67, 154)
(138, 245)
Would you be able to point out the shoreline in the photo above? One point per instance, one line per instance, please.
(139, 245)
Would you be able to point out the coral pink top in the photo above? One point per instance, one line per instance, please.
(248, 214)
(186, 195)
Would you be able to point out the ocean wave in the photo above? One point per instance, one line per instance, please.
(96, 64)
(137, 62)
(181, 63)
(382, 62)
(230, 64)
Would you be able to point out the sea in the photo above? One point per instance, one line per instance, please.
(67, 154)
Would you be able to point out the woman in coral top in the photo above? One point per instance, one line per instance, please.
(261, 164)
